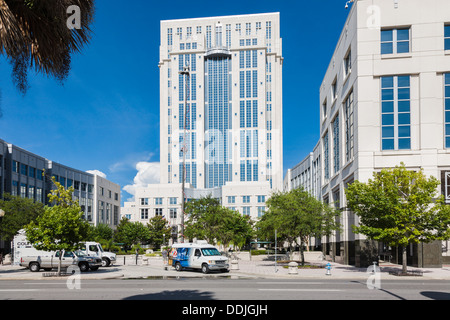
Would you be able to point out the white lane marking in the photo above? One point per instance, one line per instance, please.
(304, 290)
(19, 290)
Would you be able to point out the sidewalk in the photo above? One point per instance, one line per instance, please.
(155, 269)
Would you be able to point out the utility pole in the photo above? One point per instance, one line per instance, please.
(186, 73)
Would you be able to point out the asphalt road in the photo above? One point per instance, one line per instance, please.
(209, 289)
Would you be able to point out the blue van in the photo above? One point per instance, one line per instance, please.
(200, 255)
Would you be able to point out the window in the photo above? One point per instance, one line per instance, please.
(158, 201)
(15, 166)
(348, 64)
(246, 211)
(336, 144)
(172, 200)
(447, 109)
(169, 37)
(261, 199)
(396, 113)
(248, 29)
(395, 41)
(144, 214)
(246, 199)
(349, 128)
(158, 212)
(334, 90)
(261, 211)
(324, 109)
(326, 159)
(173, 213)
(268, 30)
(447, 37)
(31, 172)
(144, 201)
(238, 28)
(232, 199)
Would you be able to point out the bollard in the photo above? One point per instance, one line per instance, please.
(234, 265)
(293, 268)
(328, 267)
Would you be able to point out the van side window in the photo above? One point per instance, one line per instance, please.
(198, 253)
(93, 248)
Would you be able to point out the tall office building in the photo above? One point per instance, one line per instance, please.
(233, 117)
(385, 99)
(230, 128)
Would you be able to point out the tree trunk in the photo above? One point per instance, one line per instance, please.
(404, 260)
(60, 263)
(302, 254)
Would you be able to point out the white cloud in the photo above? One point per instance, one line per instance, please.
(97, 172)
(148, 173)
(131, 161)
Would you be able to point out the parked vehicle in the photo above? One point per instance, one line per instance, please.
(69, 258)
(23, 248)
(95, 249)
(199, 255)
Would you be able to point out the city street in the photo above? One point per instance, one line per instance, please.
(223, 288)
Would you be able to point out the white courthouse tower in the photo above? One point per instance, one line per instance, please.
(233, 117)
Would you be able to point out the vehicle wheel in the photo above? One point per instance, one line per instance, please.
(34, 267)
(106, 262)
(178, 266)
(205, 268)
(83, 267)
(94, 268)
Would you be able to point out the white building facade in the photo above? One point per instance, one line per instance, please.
(225, 118)
(234, 103)
(385, 99)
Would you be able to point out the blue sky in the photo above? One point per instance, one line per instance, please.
(106, 115)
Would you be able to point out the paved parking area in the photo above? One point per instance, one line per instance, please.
(154, 267)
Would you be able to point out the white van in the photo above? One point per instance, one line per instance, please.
(199, 255)
(95, 249)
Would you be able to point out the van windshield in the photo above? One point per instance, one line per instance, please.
(210, 252)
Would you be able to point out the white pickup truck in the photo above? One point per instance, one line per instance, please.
(69, 258)
(95, 249)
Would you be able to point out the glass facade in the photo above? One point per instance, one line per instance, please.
(349, 128)
(447, 109)
(336, 145)
(217, 121)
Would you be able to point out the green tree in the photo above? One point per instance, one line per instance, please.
(132, 233)
(159, 229)
(237, 229)
(400, 207)
(101, 232)
(207, 219)
(18, 213)
(61, 226)
(297, 216)
(203, 219)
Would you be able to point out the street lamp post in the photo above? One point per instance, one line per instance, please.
(186, 73)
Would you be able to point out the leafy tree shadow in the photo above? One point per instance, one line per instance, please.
(436, 295)
(174, 295)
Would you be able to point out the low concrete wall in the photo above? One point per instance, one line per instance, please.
(309, 256)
